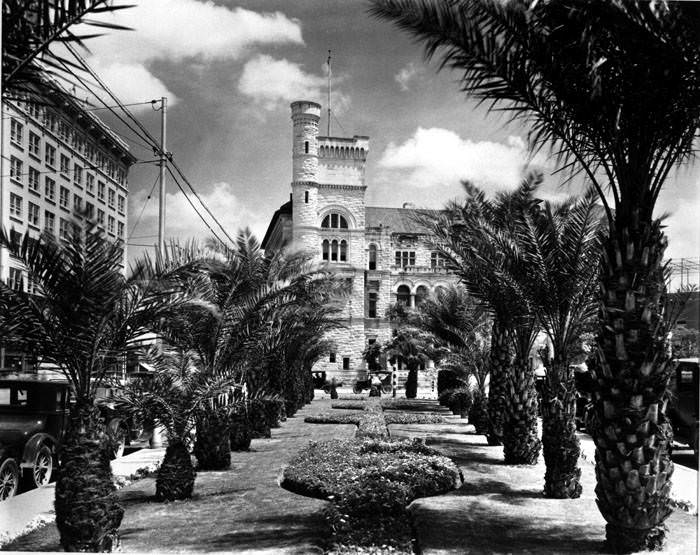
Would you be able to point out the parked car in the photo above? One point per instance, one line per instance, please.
(122, 429)
(683, 403)
(33, 420)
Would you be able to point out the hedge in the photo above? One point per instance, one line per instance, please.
(378, 477)
(372, 425)
(411, 418)
(352, 405)
(335, 418)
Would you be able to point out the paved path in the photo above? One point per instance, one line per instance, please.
(240, 510)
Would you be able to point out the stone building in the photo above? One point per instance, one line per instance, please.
(59, 161)
(381, 251)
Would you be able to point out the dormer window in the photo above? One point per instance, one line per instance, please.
(334, 221)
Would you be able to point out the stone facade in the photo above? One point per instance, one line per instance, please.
(382, 251)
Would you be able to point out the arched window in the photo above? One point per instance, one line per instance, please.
(325, 249)
(334, 221)
(343, 251)
(403, 295)
(421, 294)
(334, 250)
(373, 257)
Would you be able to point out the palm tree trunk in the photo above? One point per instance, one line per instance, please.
(560, 445)
(499, 362)
(241, 432)
(478, 415)
(176, 474)
(213, 446)
(87, 513)
(631, 431)
(520, 442)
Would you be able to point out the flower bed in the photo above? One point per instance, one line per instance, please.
(372, 425)
(411, 418)
(354, 405)
(409, 404)
(335, 418)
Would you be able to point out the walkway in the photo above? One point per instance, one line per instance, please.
(242, 509)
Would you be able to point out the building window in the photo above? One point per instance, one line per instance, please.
(325, 249)
(64, 198)
(16, 169)
(32, 214)
(111, 196)
(421, 294)
(63, 229)
(343, 251)
(33, 181)
(78, 175)
(34, 110)
(334, 250)
(15, 206)
(77, 202)
(50, 189)
(331, 357)
(306, 147)
(373, 257)
(120, 230)
(372, 305)
(346, 363)
(89, 210)
(65, 164)
(334, 221)
(62, 130)
(14, 279)
(405, 259)
(100, 191)
(16, 132)
(110, 224)
(90, 183)
(403, 295)
(34, 145)
(50, 156)
(306, 197)
(101, 217)
(49, 222)
(121, 204)
(437, 260)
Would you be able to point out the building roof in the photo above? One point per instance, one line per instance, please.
(398, 220)
(286, 208)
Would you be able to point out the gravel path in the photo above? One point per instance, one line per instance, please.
(241, 509)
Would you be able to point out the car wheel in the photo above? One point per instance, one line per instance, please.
(357, 389)
(42, 469)
(9, 479)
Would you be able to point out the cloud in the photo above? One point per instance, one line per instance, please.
(273, 83)
(183, 223)
(438, 157)
(406, 74)
(179, 31)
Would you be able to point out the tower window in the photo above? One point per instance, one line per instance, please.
(334, 250)
(343, 251)
(331, 357)
(334, 221)
(372, 305)
(346, 363)
(373, 257)
(325, 249)
(306, 147)
(306, 197)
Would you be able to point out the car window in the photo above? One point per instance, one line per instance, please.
(4, 396)
(22, 397)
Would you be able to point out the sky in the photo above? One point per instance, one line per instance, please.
(230, 70)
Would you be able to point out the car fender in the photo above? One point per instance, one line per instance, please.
(31, 448)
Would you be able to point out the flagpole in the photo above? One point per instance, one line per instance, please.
(328, 132)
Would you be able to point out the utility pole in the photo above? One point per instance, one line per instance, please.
(161, 187)
(328, 132)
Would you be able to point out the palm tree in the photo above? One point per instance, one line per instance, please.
(460, 329)
(172, 397)
(410, 346)
(613, 89)
(478, 240)
(561, 244)
(85, 316)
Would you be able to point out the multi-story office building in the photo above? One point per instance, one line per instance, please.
(60, 163)
(383, 252)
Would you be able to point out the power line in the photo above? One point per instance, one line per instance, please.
(143, 208)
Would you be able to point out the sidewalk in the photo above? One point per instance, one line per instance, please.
(500, 508)
(239, 510)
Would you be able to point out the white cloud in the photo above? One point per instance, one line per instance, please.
(406, 74)
(179, 31)
(438, 157)
(273, 83)
(183, 223)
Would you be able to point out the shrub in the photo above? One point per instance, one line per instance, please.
(411, 418)
(240, 433)
(460, 401)
(355, 405)
(372, 425)
(408, 404)
(447, 379)
(412, 384)
(444, 397)
(260, 425)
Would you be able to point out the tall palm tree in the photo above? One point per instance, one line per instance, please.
(478, 240)
(460, 328)
(85, 316)
(613, 88)
(171, 397)
(410, 346)
(561, 244)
